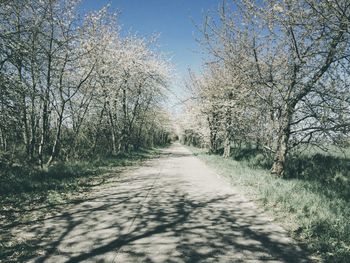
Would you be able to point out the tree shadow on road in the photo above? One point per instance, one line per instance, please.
(200, 231)
(130, 223)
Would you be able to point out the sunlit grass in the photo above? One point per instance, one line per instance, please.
(313, 211)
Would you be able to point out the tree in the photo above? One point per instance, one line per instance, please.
(72, 87)
(293, 57)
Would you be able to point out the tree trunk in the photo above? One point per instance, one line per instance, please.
(54, 151)
(212, 120)
(44, 130)
(3, 140)
(55, 147)
(34, 121)
(257, 144)
(113, 132)
(98, 126)
(213, 145)
(25, 124)
(278, 167)
(227, 147)
(34, 124)
(228, 136)
(3, 121)
(46, 95)
(123, 141)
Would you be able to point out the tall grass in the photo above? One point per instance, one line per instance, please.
(24, 187)
(312, 201)
(29, 194)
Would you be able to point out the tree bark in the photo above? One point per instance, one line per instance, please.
(123, 141)
(213, 133)
(3, 140)
(98, 126)
(228, 135)
(55, 147)
(46, 95)
(113, 131)
(278, 167)
(44, 129)
(227, 147)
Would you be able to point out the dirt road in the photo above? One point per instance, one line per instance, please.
(172, 209)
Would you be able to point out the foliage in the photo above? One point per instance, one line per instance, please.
(276, 76)
(72, 88)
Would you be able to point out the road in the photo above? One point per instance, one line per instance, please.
(172, 209)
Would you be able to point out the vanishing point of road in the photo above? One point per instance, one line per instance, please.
(171, 209)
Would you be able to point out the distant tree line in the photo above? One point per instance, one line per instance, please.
(72, 87)
(277, 77)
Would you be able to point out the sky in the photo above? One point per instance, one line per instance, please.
(174, 20)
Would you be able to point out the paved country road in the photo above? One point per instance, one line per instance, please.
(172, 209)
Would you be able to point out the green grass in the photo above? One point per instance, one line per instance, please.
(312, 203)
(22, 186)
(28, 193)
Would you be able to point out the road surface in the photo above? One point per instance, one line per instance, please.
(172, 209)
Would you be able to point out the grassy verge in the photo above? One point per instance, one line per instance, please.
(29, 194)
(315, 211)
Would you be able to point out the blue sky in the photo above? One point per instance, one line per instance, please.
(171, 18)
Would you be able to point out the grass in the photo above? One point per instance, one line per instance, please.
(28, 193)
(311, 202)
